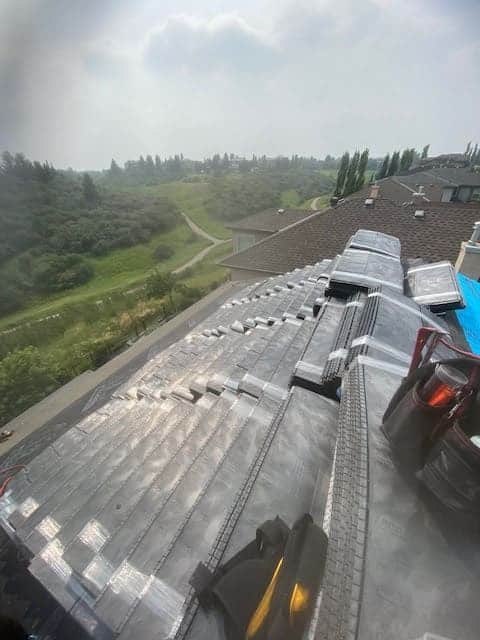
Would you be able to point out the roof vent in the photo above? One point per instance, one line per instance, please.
(419, 213)
(280, 211)
(369, 202)
(421, 191)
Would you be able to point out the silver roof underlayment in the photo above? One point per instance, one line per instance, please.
(238, 422)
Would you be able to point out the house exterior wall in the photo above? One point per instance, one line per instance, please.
(468, 261)
(464, 194)
(447, 194)
(245, 239)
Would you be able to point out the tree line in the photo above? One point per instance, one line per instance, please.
(150, 169)
(472, 153)
(51, 220)
(351, 173)
(400, 163)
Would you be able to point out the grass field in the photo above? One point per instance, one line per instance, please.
(118, 271)
(191, 197)
(291, 199)
(207, 271)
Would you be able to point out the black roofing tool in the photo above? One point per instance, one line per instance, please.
(267, 591)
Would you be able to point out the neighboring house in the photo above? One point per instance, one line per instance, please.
(248, 231)
(427, 230)
(434, 185)
(445, 185)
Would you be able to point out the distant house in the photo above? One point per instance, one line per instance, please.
(427, 230)
(433, 185)
(248, 231)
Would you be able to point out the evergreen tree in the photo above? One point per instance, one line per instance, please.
(149, 166)
(382, 172)
(342, 173)
(394, 164)
(90, 193)
(8, 163)
(158, 164)
(407, 159)
(225, 162)
(114, 169)
(351, 179)
(475, 156)
(468, 150)
(425, 152)
(362, 167)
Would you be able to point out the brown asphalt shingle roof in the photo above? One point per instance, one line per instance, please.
(270, 220)
(400, 188)
(437, 236)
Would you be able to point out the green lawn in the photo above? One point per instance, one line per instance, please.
(290, 199)
(119, 270)
(191, 198)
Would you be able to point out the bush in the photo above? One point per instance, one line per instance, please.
(26, 376)
(160, 284)
(163, 252)
(55, 273)
(11, 299)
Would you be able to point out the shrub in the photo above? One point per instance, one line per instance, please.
(160, 284)
(55, 273)
(26, 376)
(163, 252)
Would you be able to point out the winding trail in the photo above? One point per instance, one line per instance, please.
(196, 258)
(201, 254)
(313, 204)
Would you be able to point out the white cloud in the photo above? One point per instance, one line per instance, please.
(263, 76)
(225, 42)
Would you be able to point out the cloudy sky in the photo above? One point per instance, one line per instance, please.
(82, 81)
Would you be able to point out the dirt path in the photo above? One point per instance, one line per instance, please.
(200, 232)
(196, 258)
(313, 204)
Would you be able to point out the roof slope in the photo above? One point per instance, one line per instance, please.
(400, 188)
(270, 220)
(437, 236)
(237, 423)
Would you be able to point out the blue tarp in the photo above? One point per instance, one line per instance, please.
(469, 318)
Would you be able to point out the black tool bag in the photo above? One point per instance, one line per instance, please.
(445, 460)
(409, 423)
(452, 472)
(268, 590)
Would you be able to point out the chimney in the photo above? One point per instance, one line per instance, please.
(468, 261)
(374, 189)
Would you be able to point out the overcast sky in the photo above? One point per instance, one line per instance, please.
(82, 81)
